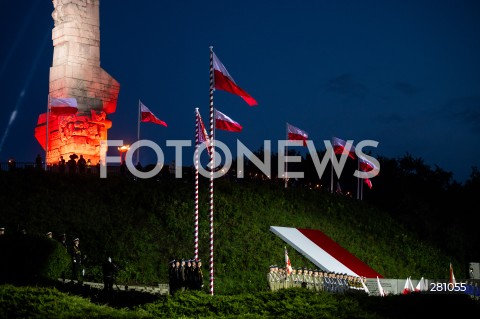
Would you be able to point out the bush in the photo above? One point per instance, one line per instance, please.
(31, 258)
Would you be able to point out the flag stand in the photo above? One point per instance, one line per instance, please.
(331, 172)
(138, 133)
(46, 133)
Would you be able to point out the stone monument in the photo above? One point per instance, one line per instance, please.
(76, 73)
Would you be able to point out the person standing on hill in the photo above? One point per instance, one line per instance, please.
(76, 260)
(172, 276)
(198, 276)
(82, 164)
(109, 269)
(38, 162)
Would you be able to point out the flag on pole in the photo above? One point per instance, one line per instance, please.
(63, 106)
(364, 286)
(339, 189)
(406, 288)
(288, 265)
(421, 285)
(452, 276)
(223, 122)
(381, 292)
(365, 165)
(225, 82)
(340, 147)
(148, 116)
(368, 182)
(295, 134)
(202, 133)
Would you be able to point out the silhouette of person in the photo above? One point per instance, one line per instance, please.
(82, 164)
(61, 164)
(38, 162)
(72, 164)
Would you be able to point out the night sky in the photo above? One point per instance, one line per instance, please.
(403, 73)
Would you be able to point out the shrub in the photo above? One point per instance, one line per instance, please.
(31, 258)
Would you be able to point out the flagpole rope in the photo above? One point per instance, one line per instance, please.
(212, 158)
(196, 188)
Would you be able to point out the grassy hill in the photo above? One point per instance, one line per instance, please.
(142, 224)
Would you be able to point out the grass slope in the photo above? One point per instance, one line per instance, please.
(143, 224)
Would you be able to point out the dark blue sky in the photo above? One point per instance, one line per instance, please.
(403, 73)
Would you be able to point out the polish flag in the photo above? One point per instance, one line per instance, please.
(225, 82)
(368, 182)
(340, 147)
(63, 106)
(288, 265)
(296, 134)
(223, 122)
(148, 116)
(452, 276)
(366, 165)
(381, 292)
(406, 288)
(202, 132)
(421, 285)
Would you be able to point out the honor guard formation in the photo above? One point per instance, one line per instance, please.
(185, 275)
(313, 279)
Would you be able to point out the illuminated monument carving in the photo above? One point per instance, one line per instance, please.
(76, 73)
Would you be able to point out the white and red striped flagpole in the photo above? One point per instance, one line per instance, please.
(195, 253)
(212, 163)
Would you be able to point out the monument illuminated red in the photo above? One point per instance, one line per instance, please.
(76, 73)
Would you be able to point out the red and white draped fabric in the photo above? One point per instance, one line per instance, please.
(148, 116)
(341, 147)
(223, 122)
(323, 251)
(224, 81)
(63, 106)
(288, 265)
(296, 134)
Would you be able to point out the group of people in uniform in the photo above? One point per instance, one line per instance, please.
(314, 279)
(185, 275)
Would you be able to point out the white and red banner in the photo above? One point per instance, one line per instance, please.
(296, 134)
(323, 251)
(148, 116)
(63, 106)
(223, 122)
(341, 147)
(225, 82)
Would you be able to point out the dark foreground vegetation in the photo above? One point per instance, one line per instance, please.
(36, 302)
(412, 223)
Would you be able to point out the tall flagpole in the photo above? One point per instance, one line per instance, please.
(286, 154)
(138, 132)
(358, 180)
(195, 244)
(212, 163)
(331, 172)
(46, 135)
